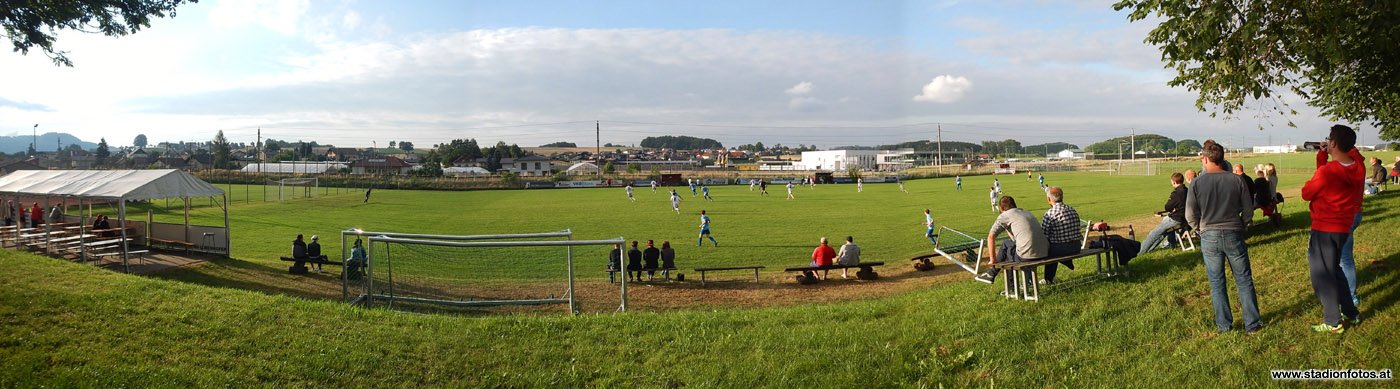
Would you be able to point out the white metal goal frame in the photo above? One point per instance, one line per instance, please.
(307, 185)
(1135, 167)
(368, 296)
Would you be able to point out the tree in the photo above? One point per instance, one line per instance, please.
(1339, 56)
(393, 144)
(608, 168)
(680, 143)
(406, 146)
(221, 151)
(140, 140)
(37, 23)
(1187, 147)
(633, 168)
(559, 144)
(99, 157)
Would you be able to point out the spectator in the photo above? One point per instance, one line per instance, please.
(651, 255)
(56, 214)
(299, 248)
(36, 216)
(668, 259)
(357, 261)
(1334, 200)
(614, 262)
(823, 255)
(849, 255)
(1238, 169)
(1189, 175)
(1272, 174)
(1061, 225)
(1378, 171)
(634, 263)
(1395, 171)
(313, 251)
(1027, 239)
(1218, 208)
(1173, 215)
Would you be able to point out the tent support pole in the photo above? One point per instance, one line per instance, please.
(121, 214)
(228, 239)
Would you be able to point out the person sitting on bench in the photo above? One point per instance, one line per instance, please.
(357, 261)
(849, 255)
(634, 263)
(1173, 215)
(1027, 241)
(651, 255)
(822, 256)
(614, 262)
(299, 248)
(1061, 225)
(668, 258)
(313, 251)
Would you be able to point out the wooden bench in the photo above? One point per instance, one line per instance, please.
(169, 244)
(866, 269)
(702, 271)
(141, 254)
(299, 267)
(665, 272)
(1019, 286)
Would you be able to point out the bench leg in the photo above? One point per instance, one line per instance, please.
(1033, 286)
(702, 278)
(1008, 287)
(755, 276)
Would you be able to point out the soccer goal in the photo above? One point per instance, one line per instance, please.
(1136, 167)
(434, 273)
(295, 188)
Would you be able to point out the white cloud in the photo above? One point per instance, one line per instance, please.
(282, 16)
(945, 89)
(801, 88)
(351, 20)
(806, 104)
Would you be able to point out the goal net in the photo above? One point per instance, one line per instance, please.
(1136, 167)
(296, 188)
(470, 274)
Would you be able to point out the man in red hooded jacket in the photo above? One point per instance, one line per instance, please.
(1334, 193)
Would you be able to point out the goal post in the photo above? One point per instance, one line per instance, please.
(294, 188)
(407, 271)
(1136, 167)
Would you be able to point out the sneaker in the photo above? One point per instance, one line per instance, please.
(1254, 330)
(1046, 282)
(1337, 329)
(1352, 320)
(987, 277)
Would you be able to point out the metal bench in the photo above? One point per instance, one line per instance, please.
(702, 271)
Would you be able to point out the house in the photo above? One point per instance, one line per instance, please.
(527, 166)
(1070, 154)
(170, 162)
(139, 157)
(838, 160)
(344, 154)
(388, 165)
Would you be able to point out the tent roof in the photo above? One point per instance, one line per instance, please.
(107, 184)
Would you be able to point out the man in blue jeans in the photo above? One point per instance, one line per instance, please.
(1218, 207)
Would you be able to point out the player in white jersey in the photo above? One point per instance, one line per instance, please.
(994, 194)
(629, 193)
(789, 188)
(653, 186)
(676, 201)
(860, 185)
(928, 222)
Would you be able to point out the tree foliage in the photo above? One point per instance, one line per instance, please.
(928, 145)
(560, 144)
(140, 140)
(680, 143)
(1151, 143)
(100, 156)
(1338, 55)
(221, 152)
(1049, 148)
(1004, 147)
(37, 23)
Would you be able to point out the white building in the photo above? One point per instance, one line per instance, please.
(839, 160)
(1275, 149)
(1070, 154)
(529, 166)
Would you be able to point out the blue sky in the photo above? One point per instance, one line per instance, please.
(829, 73)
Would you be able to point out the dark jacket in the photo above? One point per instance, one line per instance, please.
(615, 259)
(1176, 205)
(313, 249)
(298, 249)
(1262, 196)
(651, 255)
(634, 259)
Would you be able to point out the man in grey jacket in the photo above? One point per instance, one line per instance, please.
(1027, 241)
(1219, 208)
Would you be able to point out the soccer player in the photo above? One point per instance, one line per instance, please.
(1042, 180)
(706, 190)
(860, 185)
(692, 188)
(763, 186)
(705, 230)
(995, 208)
(928, 222)
(789, 188)
(901, 184)
(653, 186)
(676, 201)
(996, 185)
(629, 193)
(752, 183)
(959, 182)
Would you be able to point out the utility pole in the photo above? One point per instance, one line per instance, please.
(34, 144)
(257, 150)
(598, 144)
(1132, 148)
(940, 148)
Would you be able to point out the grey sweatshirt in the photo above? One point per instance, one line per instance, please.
(1218, 201)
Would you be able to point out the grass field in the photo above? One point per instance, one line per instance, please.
(229, 322)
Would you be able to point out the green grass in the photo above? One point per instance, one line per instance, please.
(63, 324)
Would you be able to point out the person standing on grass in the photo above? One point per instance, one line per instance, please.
(651, 256)
(1173, 215)
(653, 186)
(763, 187)
(634, 263)
(849, 255)
(629, 193)
(36, 216)
(1061, 224)
(675, 201)
(958, 181)
(1189, 175)
(1334, 196)
(901, 184)
(860, 185)
(1027, 241)
(1218, 208)
(1042, 180)
(367, 192)
(705, 189)
(692, 188)
(789, 189)
(752, 183)
(928, 223)
(705, 230)
(994, 196)
(823, 256)
(996, 186)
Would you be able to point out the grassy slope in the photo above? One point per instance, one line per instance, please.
(70, 324)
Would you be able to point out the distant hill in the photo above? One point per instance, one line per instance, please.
(47, 142)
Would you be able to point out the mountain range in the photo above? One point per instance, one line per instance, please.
(48, 142)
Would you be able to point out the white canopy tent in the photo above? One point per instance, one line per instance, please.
(120, 186)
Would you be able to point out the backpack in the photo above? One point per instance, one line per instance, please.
(1127, 249)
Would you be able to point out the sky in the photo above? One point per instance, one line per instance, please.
(826, 73)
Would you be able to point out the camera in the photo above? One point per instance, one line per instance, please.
(1312, 145)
